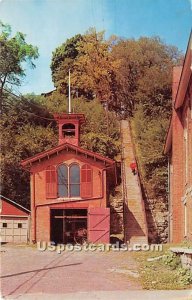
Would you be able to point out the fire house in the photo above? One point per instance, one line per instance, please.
(70, 188)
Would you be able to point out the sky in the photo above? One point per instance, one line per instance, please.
(48, 23)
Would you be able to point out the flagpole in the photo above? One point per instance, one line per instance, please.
(69, 92)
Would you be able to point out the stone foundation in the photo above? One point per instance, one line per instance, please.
(157, 220)
(156, 215)
(185, 255)
(116, 207)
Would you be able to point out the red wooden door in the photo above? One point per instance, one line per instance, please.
(99, 225)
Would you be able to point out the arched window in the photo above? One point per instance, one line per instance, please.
(68, 130)
(51, 182)
(62, 179)
(74, 180)
(86, 181)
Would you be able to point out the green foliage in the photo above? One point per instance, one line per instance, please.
(165, 273)
(91, 63)
(149, 135)
(185, 276)
(62, 60)
(27, 129)
(100, 143)
(97, 119)
(172, 260)
(23, 134)
(94, 68)
(100, 133)
(132, 76)
(14, 51)
(55, 103)
(144, 75)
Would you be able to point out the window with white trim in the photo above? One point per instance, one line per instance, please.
(68, 180)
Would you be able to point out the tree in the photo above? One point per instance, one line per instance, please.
(14, 51)
(62, 60)
(144, 94)
(91, 63)
(144, 74)
(149, 136)
(95, 134)
(26, 129)
(101, 143)
(94, 68)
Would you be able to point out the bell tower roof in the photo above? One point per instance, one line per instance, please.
(62, 116)
(69, 127)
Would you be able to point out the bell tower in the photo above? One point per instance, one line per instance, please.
(69, 127)
(69, 124)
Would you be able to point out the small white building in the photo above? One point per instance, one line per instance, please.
(14, 222)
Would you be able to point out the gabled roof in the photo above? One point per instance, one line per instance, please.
(185, 76)
(14, 203)
(68, 147)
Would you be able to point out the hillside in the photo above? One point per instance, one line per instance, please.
(110, 80)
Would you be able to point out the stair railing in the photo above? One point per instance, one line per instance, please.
(139, 177)
(123, 178)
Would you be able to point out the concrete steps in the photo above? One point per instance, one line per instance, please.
(135, 217)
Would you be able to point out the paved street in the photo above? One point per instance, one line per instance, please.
(26, 270)
(30, 274)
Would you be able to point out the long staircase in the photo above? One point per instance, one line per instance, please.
(135, 224)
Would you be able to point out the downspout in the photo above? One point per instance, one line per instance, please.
(102, 186)
(28, 228)
(34, 210)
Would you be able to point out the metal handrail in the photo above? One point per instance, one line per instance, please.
(140, 178)
(124, 189)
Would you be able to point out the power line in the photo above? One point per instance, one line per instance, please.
(31, 113)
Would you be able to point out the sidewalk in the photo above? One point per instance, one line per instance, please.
(114, 295)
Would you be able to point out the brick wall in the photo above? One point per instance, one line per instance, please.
(43, 224)
(177, 178)
(181, 171)
(40, 212)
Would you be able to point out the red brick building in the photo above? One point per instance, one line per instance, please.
(179, 148)
(69, 188)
